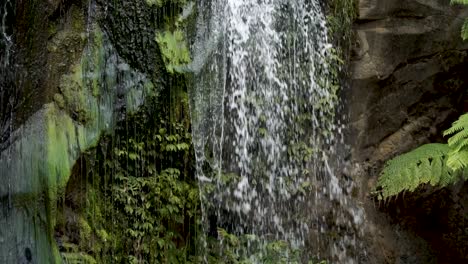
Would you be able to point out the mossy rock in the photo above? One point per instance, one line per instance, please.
(174, 50)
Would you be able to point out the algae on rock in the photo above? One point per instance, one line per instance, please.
(174, 49)
(39, 162)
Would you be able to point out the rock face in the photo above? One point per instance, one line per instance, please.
(408, 83)
(64, 84)
(408, 76)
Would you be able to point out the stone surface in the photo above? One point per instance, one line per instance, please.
(408, 83)
(69, 87)
(407, 74)
(132, 27)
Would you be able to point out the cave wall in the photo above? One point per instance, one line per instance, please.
(66, 82)
(408, 84)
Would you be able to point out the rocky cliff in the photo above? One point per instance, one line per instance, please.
(408, 83)
(65, 83)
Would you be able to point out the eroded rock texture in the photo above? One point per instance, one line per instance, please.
(64, 84)
(408, 74)
(131, 26)
(409, 82)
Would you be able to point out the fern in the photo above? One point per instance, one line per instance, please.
(426, 164)
(458, 143)
(463, 2)
(436, 164)
(464, 31)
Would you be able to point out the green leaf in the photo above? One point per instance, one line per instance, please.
(464, 30)
(426, 164)
(463, 2)
(458, 142)
(132, 156)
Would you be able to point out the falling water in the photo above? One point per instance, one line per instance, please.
(264, 127)
(6, 41)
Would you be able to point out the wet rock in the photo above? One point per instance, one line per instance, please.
(408, 83)
(408, 65)
(68, 87)
(132, 26)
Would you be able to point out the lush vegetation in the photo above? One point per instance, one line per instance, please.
(340, 19)
(231, 249)
(142, 202)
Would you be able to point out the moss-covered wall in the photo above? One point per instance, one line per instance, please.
(78, 75)
(90, 90)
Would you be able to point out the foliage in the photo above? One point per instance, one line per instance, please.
(174, 49)
(232, 249)
(142, 203)
(458, 143)
(464, 30)
(436, 164)
(154, 195)
(172, 40)
(77, 258)
(426, 164)
(340, 19)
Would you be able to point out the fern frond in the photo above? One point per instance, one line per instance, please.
(464, 30)
(459, 140)
(458, 143)
(426, 164)
(458, 160)
(463, 2)
(459, 125)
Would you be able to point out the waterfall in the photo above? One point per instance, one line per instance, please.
(264, 127)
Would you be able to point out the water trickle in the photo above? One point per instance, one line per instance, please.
(37, 160)
(6, 98)
(264, 130)
(6, 40)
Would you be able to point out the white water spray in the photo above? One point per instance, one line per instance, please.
(264, 130)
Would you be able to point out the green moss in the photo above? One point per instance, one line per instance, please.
(71, 88)
(52, 29)
(52, 140)
(96, 61)
(78, 258)
(70, 247)
(174, 49)
(65, 48)
(85, 229)
(59, 100)
(160, 3)
(340, 18)
(63, 140)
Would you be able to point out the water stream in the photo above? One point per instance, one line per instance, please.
(264, 127)
(263, 107)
